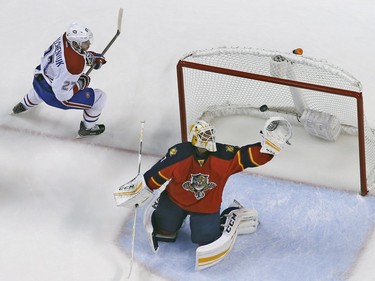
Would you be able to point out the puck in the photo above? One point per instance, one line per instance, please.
(263, 108)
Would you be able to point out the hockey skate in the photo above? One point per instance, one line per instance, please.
(19, 108)
(96, 130)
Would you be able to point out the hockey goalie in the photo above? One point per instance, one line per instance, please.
(193, 175)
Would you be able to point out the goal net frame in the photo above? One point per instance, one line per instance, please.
(184, 64)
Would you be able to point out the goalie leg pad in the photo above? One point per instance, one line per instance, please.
(147, 222)
(210, 254)
(249, 223)
(162, 220)
(166, 237)
(248, 218)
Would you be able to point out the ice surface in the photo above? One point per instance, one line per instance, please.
(57, 215)
(306, 233)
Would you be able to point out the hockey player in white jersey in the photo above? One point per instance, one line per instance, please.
(60, 80)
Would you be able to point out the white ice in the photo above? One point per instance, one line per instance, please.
(57, 214)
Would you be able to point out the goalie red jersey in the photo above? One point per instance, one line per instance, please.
(197, 181)
(195, 174)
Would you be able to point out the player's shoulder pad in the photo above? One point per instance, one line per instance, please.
(226, 151)
(75, 63)
(175, 154)
(180, 151)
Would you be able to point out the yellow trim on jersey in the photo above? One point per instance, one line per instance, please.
(155, 182)
(252, 158)
(164, 177)
(239, 160)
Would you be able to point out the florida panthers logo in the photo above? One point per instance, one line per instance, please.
(199, 184)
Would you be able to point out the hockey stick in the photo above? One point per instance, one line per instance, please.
(119, 20)
(133, 240)
(136, 206)
(132, 193)
(140, 146)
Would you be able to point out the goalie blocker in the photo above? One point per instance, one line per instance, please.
(132, 193)
(234, 220)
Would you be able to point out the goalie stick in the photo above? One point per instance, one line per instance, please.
(119, 193)
(119, 20)
(131, 188)
(136, 206)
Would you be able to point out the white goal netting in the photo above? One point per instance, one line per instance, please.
(239, 81)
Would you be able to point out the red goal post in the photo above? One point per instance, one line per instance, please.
(237, 81)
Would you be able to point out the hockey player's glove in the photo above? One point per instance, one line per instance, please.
(95, 59)
(83, 81)
(276, 133)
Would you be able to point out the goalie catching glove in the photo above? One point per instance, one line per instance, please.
(132, 193)
(276, 133)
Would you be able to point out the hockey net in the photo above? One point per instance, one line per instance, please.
(321, 98)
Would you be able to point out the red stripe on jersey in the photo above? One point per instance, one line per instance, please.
(76, 105)
(75, 63)
(257, 157)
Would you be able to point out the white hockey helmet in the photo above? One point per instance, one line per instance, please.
(202, 135)
(78, 34)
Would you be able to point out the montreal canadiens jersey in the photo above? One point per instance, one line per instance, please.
(196, 183)
(61, 67)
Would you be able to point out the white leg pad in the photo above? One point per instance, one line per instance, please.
(249, 222)
(210, 254)
(147, 222)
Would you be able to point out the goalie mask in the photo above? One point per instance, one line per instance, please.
(79, 37)
(202, 135)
